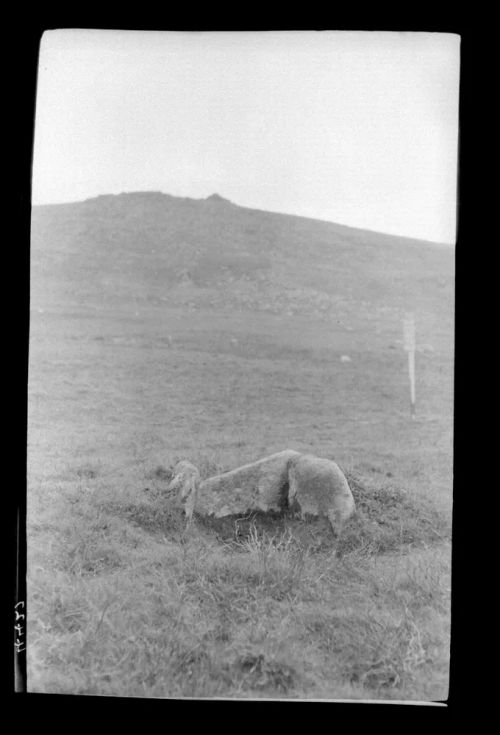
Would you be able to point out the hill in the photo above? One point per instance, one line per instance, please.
(149, 248)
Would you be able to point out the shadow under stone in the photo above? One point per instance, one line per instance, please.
(273, 526)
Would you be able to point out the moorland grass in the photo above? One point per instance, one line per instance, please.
(130, 602)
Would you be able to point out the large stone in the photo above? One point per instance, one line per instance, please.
(319, 488)
(261, 485)
(288, 479)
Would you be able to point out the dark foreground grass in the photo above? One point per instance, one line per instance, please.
(128, 601)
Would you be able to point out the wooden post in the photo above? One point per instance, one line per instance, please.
(409, 345)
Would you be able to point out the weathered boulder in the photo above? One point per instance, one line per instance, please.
(285, 480)
(185, 481)
(319, 488)
(261, 485)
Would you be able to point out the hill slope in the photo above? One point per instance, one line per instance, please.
(151, 249)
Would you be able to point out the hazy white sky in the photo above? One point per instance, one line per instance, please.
(354, 127)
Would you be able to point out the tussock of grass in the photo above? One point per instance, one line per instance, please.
(259, 673)
(160, 518)
(161, 473)
(388, 518)
(392, 648)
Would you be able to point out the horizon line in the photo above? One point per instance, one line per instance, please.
(222, 198)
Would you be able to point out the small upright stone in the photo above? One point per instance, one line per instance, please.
(186, 479)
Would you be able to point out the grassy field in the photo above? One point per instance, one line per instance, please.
(123, 601)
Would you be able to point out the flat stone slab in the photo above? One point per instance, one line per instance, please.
(261, 485)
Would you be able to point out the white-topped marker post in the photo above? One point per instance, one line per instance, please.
(409, 345)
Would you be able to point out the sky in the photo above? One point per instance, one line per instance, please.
(359, 128)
